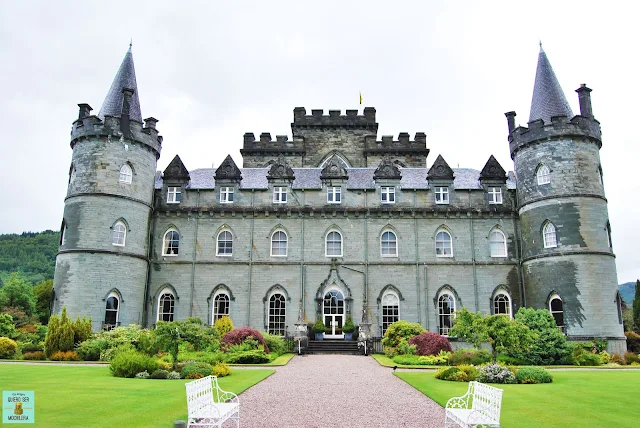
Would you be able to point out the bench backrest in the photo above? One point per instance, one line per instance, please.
(199, 393)
(487, 400)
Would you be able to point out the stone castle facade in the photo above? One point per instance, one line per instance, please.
(336, 222)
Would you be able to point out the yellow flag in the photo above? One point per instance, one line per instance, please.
(360, 97)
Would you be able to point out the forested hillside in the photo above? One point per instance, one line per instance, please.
(627, 291)
(33, 254)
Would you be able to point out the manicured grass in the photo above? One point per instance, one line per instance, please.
(76, 396)
(576, 398)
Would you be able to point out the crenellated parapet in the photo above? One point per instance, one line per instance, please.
(265, 144)
(334, 120)
(402, 145)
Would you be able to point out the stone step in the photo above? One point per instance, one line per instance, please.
(332, 346)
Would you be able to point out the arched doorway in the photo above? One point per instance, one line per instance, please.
(333, 313)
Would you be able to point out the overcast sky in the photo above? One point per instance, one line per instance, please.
(210, 71)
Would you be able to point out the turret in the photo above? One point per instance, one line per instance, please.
(102, 263)
(568, 263)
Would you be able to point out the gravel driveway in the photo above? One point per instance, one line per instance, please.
(336, 391)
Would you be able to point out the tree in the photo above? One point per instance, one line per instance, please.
(43, 293)
(501, 332)
(7, 328)
(60, 334)
(18, 293)
(169, 338)
(636, 306)
(550, 346)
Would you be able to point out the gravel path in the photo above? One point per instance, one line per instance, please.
(336, 391)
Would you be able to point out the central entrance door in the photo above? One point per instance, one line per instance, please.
(333, 311)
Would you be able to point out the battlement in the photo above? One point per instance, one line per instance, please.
(334, 119)
(265, 144)
(560, 126)
(403, 144)
(88, 125)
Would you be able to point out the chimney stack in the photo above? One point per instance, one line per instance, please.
(584, 98)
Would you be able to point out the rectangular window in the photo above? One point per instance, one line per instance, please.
(173, 195)
(279, 195)
(388, 195)
(334, 195)
(226, 195)
(442, 195)
(495, 195)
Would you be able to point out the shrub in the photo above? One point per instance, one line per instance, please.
(90, 350)
(142, 375)
(533, 375)
(400, 330)
(428, 343)
(65, 356)
(633, 341)
(550, 345)
(631, 357)
(444, 372)
(276, 344)
(8, 348)
(469, 356)
(463, 373)
(173, 375)
(617, 359)
(605, 358)
(223, 325)
(164, 365)
(404, 348)
(109, 354)
(35, 355)
(390, 352)
(32, 347)
(423, 360)
(221, 370)
(81, 330)
(128, 363)
(238, 336)
(586, 359)
(495, 373)
(159, 374)
(7, 327)
(60, 335)
(255, 356)
(196, 368)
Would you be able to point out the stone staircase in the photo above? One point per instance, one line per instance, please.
(333, 346)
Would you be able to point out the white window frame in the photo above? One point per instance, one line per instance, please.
(215, 313)
(549, 235)
(126, 174)
(495, 195)
(551, 299)
(333, 240)
(286, 243)
(390, 303)
(334, 195)
(442, 195)
(451, 300)
(279, 326)
(280, 195)
(174, 195)
(219, 240)
(226, 195)
(543, 175)
(166, 293)
(385, 251)
(442, 246)
(166, 247)
(117, 310)
(499, 244)
(119, 234)
(504, 296)
(388, 194)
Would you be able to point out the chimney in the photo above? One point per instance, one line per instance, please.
(511, 120)
(85, 110)
(150, 122)
(584, 98)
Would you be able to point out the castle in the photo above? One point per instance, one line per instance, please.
(335, 222)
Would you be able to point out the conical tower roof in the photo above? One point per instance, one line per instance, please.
(125, 78)
(548, 99)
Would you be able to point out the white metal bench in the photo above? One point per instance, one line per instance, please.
(208, 405)
(480, 406)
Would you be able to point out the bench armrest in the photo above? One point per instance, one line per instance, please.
(459, 402)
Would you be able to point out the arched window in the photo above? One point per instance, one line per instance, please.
(111, 311)
(72, 174)
(277, 312)
(446, 309)
(556, 308)
(119, 234)
(543, 174)
(388, 244)
(549, 235)
(497, 243)
(166, 306)
(126, 174)
(279, 244)
(220, 306)
(170, 243)
(225, 244)
(390, 310)
(502, 304)
(608, 228)
(444, 247)
(333, 246)
(63, 232)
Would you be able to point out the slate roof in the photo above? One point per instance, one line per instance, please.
(548, 99)
(359, 178)
(125, 78)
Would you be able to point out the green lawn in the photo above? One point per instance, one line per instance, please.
(68, 396)
(596, 398)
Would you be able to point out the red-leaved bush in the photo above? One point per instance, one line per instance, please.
(237, 336)
(429, 343)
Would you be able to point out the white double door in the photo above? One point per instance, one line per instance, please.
(333, 314)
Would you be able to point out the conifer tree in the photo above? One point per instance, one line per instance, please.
(636, 306)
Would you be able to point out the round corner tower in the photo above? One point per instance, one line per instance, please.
(567, 257)
(102, 264)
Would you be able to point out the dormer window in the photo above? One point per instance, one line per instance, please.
(226, 195)
(173, 195)
(334, 195)
(495, 195)
(442, 195)
(279, 195)
(388, 195)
